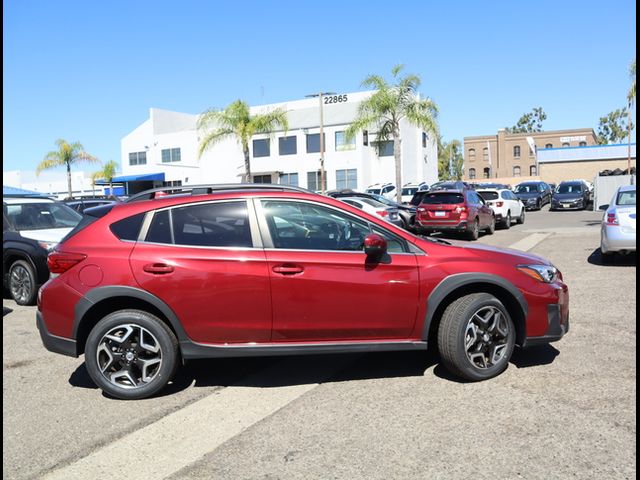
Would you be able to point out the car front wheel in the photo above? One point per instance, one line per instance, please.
(476, 337)
(22, 283)
(131, 354)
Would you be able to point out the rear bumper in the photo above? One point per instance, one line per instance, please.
(434, 227)
(558, 326)
(614, 239)
(53, 343)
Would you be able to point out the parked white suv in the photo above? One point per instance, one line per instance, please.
(504, 203)
(410, 189)
(387, 190)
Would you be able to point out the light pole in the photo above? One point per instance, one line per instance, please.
(322, 174)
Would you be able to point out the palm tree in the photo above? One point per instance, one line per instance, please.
(67, 154)
(388, 107)
(236, 121)
(107, 172)
(631, 96)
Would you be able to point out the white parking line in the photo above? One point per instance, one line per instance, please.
(183, 437)
(529, 242)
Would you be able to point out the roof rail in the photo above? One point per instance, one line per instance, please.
(207, 189)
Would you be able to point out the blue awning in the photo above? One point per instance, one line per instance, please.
(143, 177)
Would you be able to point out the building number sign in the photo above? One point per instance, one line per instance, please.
(335, 99)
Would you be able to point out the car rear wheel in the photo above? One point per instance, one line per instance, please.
(474, 231)
(22, 283)
(492, 226)
(131, 354)
(507, 221)
(476, 337)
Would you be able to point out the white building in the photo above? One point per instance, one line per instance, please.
(164, 149)
(53, 183)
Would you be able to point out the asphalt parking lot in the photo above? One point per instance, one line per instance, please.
(566, 410)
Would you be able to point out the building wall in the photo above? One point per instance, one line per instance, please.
(588, 170)
(503, 149)
(224, 162)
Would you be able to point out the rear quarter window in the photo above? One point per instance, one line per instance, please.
(128, 228)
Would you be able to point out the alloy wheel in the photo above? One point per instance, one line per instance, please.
(20, 284)
(486, 337)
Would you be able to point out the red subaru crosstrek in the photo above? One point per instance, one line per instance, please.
(455, 211)
(241, 270)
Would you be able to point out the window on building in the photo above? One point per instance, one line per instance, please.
(347, 179)
(313, 142)
(424, 140)
(565, 144)
(287, 145)
(343, 144)
(485, 154)
(583, 144)
(533, 171)
(486, 172)
(516, 171)
(170, 155)
(261, 178)
(313, 181)
(516, 151)
(385, 148)
(138, 158)
(472, 154)
(472, 173)
(172, 183)
(289, 179)
(261, 147)
(549, 145)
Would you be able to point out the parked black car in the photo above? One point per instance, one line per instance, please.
(534, 195)
(24, 265)
(407, 213)
(570, 196)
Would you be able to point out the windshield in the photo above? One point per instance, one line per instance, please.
(626, 198)
(569, 188)
(442, 198)
(527, 189)
(377, 191)
(40, 216)
(488, 195)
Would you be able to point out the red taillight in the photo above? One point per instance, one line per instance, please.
(612, 219)
(499, 204)
(382, 213)
(60, 262)
(461, 209)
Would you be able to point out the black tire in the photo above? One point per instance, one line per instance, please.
(507, 221)
(538, 205)
(457, 327)
(22, 283)
(124, 361)
(492, 226)
(520, 219)
(474, 232)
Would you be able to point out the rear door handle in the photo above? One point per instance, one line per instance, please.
(158, 268)
(288, 269)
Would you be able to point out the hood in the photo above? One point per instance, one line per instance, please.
(528, 195)
(50, 235)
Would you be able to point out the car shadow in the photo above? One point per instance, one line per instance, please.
(273, 372)
(617, 260)
(6, 310)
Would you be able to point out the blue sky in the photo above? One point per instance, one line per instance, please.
(89, 71)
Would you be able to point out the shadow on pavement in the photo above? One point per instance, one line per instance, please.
(534, 356)
(6, 311)
(616, 260)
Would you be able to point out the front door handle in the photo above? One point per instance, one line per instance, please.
(158, 268)
(288, 269)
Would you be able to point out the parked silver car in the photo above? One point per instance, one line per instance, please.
(618, 232)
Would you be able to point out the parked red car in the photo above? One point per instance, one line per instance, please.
(254, 270)
(455, 211)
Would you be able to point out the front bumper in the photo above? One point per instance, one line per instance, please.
(558, 326)
(53, 343)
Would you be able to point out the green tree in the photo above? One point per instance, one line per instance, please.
(107, 172)
(66, 155)
(450, 160)
(236, 121)
(388, 107)
(613, 127)
(529, 122)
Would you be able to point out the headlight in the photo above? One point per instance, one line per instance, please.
(542, 273)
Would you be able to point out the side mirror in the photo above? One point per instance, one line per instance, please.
(375, 246)
(604, 208)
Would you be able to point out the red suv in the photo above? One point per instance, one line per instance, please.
(242, 270)
(455, 211)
